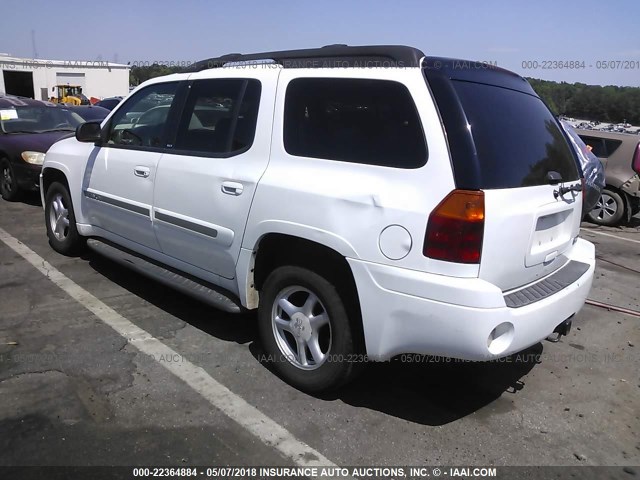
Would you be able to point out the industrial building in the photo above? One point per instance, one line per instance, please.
(37, 78)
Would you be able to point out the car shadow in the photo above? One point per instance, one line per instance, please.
(30, 198)
(432, 390)
(425, 390)
(239, 328)
(435, 391)
(634, 222)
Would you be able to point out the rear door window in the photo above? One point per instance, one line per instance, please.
(219, 117)
(517, 139)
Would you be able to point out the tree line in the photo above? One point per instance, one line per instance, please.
(590, 102)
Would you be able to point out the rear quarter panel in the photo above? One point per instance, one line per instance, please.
(346, 205)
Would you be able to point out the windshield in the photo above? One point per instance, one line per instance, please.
(38, 119)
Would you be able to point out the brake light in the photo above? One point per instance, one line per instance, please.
(635, 164)
(456, 228)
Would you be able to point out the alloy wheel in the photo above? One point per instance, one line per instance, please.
(605, 208)
(59, 217)
(6, 180)
(301, 327)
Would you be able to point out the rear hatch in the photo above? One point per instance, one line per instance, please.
(505, 141)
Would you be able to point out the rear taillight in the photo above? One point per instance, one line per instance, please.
(456, 227)
(635, 163)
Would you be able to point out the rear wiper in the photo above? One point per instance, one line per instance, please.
(555, 178)
(573, 188)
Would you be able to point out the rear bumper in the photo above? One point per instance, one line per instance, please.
(632, 186)
(405, 311)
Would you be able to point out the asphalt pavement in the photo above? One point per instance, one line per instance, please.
(75, 390)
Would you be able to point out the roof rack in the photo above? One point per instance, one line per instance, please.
(329, 56)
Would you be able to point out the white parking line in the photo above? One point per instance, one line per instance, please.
(609, 235)
(246, 415)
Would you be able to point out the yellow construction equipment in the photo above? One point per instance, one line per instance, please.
(69, 94)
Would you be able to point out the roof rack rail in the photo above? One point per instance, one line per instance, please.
(329, 56)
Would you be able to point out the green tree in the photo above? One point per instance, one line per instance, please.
(590, 102)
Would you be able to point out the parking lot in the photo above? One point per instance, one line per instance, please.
(82, 383)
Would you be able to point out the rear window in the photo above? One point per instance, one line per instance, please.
(517, 139)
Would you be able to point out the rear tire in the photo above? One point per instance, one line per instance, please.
(610, 209)
(60, 220)
(9, 188)
(305, 330)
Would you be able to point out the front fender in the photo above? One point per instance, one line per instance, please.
(69, 157)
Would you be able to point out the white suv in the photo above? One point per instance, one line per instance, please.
(367, 201)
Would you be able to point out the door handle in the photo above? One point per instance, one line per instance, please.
(232, 188)
(143, 172)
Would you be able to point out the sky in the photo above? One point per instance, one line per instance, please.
(533, 38)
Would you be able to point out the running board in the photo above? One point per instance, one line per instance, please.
(206, 293)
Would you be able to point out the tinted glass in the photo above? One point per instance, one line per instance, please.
(141, 120)
(517, 139)
(611, 145)
(109, 104)
(90, 113)
(38, 119)
(597, 145)
(219, 116)
(351, 120)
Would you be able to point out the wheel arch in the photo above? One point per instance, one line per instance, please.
(274, 250)
(50, 175)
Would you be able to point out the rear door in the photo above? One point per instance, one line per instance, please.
(517, 146)
(205, 184)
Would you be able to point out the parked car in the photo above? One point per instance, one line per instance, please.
(27, 129)
(620, 199)
(90, 112)
(591, 167)
(109, 103)
(363, 212)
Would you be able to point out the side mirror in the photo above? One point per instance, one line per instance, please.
(89, 132)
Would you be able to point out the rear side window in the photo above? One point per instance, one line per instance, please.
(601, 147)
(517, 139)
(219, 116)
(352, 120)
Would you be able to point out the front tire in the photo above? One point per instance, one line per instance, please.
(609, 210)
(60, 220)
(305, 330)
(9, 188)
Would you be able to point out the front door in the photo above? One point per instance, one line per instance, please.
(119, 180)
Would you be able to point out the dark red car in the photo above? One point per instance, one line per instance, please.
(27, 129)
